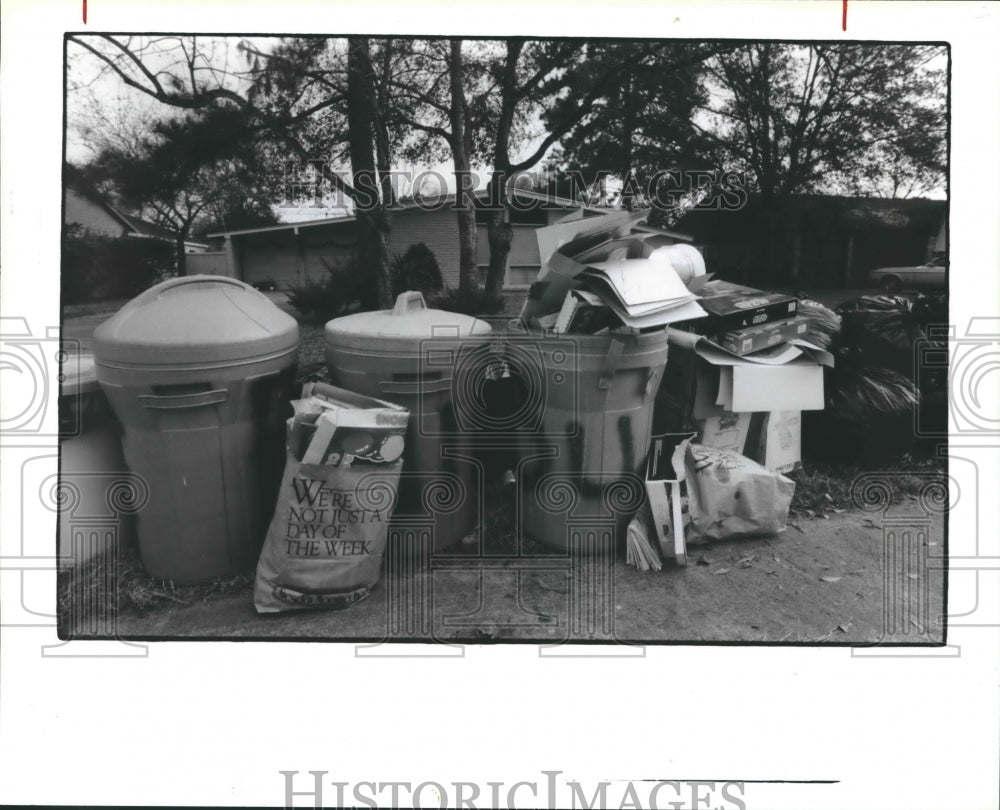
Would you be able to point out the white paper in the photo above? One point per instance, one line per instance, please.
(641, 281)
(793, 387)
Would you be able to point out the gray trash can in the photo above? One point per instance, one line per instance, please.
(200, 370)
(582, 478)
(409, 355)
(96, 515)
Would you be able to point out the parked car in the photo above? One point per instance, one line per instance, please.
(924, 276)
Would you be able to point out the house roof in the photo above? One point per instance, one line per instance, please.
(145, 228)
(430, 202)
(137, 225)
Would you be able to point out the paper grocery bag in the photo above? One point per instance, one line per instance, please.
(325, 543)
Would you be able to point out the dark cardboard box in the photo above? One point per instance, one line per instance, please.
(733, 306)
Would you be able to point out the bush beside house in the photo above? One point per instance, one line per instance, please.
(96, 267)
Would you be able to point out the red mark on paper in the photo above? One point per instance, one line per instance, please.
(85, 11)
(843, 17)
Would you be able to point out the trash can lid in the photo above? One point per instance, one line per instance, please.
(403, 327)
(204, 320)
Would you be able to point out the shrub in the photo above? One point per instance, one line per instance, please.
(345, 288)
(97, 268)
(417, 269)
(349, 287)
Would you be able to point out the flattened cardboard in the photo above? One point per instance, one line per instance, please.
(791, 387)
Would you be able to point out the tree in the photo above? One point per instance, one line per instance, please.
(812, 117)
(286, 96)
(823, 118)
(639, 129)
(564, 81)
(362, 110)
(184, 171)
(446, 99)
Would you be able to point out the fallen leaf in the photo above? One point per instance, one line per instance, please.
(913, 576)
(827, 496)
(843, 627)
(795, 525)
(838, 511)
(721, 571)
(825, 517)
(831, 579)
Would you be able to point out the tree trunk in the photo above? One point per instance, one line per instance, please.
(500, 235)
(181, 260)
(461, 147)
(369, 211)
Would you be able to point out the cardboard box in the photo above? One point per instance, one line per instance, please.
(733, 306)
(665, 471)
(725, 430)
(776, 441)
(764, 336)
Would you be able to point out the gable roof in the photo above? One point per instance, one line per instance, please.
(134, 224)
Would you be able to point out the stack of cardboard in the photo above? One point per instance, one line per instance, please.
(754, 371)
(599, 276)
(747, 352)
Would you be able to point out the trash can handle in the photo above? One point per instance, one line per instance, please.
(184, 400)
(409, 302)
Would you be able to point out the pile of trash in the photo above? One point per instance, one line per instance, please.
(885, 392)
(737, 354)
(743, 365)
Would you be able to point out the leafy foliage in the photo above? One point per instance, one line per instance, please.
(467, 302)
(344, 289)
(416, 269)
(347, 287)
(825, 117)
(96, 268)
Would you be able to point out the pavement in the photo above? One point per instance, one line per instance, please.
(853, 579)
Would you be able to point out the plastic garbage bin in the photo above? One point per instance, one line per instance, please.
(582, 477)
(409, 355)
(99, 496)
(199, 370)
